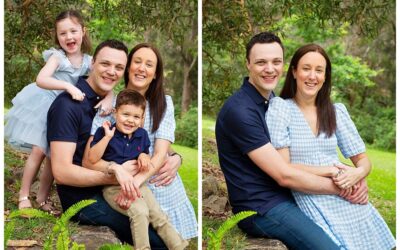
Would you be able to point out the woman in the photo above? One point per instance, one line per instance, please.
(144, 73)
(306, 128)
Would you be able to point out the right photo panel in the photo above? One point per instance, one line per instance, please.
(298, 125)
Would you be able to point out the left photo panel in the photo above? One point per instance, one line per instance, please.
(100, 124)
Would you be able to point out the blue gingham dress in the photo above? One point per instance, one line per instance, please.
(351, 226)
(172, 198)
(27, 119)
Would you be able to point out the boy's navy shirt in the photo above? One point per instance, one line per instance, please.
(241, 128)
(69, 120)
(121, 148)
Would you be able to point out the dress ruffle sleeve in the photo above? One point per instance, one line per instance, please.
(278, 119)
(349, 140)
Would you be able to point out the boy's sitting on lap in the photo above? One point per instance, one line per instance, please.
(126, 140)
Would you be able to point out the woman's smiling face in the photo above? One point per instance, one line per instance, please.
(142, 69)
(310, 75)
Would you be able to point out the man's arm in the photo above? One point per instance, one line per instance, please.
(270, 161)
(67, 173)
(324, 171)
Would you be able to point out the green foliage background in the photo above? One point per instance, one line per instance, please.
(359, 37)
(170, 25)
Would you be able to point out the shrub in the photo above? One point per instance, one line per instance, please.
(186, 129)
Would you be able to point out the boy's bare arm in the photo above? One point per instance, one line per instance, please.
(144, 162)
(96, 152)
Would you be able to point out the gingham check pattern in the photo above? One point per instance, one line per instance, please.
(351, 226)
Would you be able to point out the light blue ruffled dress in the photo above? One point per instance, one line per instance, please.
(26, 121)
(172, 198)
(351, 226)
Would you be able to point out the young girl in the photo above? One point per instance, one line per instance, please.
(26, 121)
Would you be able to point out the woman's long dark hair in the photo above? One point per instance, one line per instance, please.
(326, 117)
(155, 93)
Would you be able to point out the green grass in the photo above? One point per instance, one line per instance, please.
(209, 148)
(188, 172)
(381, 183)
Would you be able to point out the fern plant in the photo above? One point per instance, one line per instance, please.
(60, 230)
(216, 238)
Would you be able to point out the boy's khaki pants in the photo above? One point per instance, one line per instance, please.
(142, 211)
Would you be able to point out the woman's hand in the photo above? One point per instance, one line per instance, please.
(128, 186)
(75, 93)
(359, 194)
(167, 172)
(108, 132)
(348, 178)
(106, 105)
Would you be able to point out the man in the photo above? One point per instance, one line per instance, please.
(257, 177)
(69, 123)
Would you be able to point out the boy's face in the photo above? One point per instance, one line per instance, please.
(128, 118)
(265, 66)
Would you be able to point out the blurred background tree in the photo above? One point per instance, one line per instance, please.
(359, 36)
(170, 25)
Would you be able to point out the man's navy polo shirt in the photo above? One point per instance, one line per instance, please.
(121, 148)
(241, 128)
(69, 120)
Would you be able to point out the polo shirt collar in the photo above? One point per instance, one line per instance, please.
(253, 92)
(83, 85)
(137, 134)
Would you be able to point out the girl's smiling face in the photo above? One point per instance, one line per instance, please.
(70, 34)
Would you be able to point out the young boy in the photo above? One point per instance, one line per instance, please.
(126, 140)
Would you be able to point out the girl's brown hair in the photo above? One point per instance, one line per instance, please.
(75, 16)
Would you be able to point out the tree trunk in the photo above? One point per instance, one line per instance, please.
(189, 60)
(187, 87)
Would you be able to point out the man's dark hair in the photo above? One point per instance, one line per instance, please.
(114, 44)
(130, 97)
(263, 37)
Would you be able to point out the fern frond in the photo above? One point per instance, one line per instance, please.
(49, 242)
(60, 229)
(76, 246)
(231, 222)
(63, 239)
(216, 238)
(74, 209)
(32, 212)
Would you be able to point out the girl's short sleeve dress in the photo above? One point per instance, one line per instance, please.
(26, 121)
